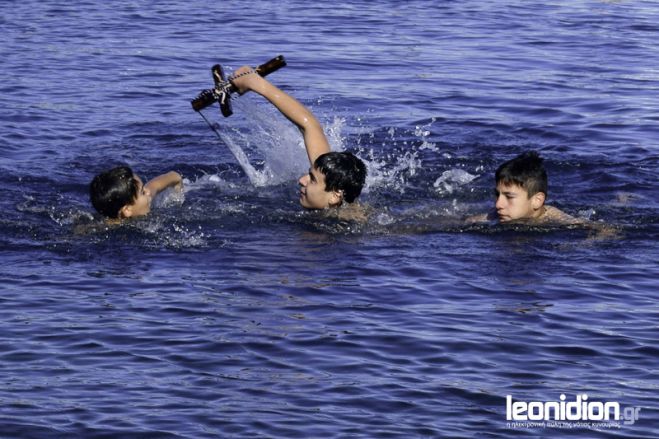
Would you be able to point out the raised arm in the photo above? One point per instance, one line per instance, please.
(164, 181)
(314, 138)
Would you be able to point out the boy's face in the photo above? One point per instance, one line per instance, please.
(142, 204)
(312, 191)
(513, 203)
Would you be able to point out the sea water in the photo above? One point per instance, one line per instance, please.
(232, 312)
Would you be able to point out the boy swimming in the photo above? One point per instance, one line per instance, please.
(521, 191)
(334, 177)
(119, 193)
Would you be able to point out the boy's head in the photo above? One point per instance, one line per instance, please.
(118, 193)
(334, 178)
(521, 187)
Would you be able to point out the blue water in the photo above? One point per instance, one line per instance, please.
(231, 312)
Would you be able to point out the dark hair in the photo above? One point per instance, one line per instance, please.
(525, 170)
(343, 172)
(111, 190)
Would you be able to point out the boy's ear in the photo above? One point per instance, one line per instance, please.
(538, 200)
(126, 211)
(336, 198)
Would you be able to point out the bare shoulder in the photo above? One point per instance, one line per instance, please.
(599, 230)
(557, 216)
(354, 212)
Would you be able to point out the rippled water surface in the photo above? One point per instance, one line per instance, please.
(231, 312)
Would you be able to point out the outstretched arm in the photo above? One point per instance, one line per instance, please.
(164, 181)
(314, 137)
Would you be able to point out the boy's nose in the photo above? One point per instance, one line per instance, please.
(303, 180)
(500, 203)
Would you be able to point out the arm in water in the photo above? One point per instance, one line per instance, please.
(314, 137)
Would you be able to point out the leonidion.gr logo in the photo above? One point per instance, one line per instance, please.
(580, 413)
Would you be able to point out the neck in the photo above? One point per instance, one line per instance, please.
(539, 213)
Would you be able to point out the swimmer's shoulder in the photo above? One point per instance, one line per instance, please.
(95, 226)
(553, 215)
(354, 212)
(556, 216)
(599, 230)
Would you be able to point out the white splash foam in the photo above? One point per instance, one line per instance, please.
(452, 179)
(275, 142)
(586, 214)
(206, 181)
(382, 175)
(277, 148)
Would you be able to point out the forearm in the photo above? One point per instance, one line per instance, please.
(164, 181)
(286, 104)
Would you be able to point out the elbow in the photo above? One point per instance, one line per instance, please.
(310, 124)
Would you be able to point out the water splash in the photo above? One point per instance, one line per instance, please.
(381, 174)
(257, 178)
(393, 171)
(423, 132)
(209, 181)
(453, 179)
(270, 141)
(156, 232)
(271, 151)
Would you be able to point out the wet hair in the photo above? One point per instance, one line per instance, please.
(525, 170)
(111, 190)
(343, 172)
